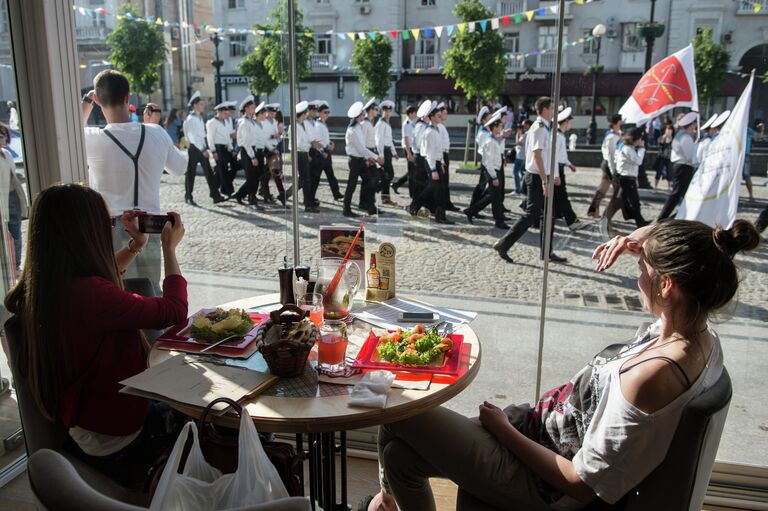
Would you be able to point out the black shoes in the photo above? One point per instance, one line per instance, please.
(501, 225)
(453, 207)
(444, 221)
(502, 252)
(395, 188)
(338, 197)
(190, 201)
(349, 214)
(479, 216)
(554, 258)
(219, 199)
(239, 200)
(469, 217)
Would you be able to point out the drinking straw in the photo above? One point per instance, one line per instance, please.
(337, 277)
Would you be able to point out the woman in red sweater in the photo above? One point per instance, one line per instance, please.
(82, 330)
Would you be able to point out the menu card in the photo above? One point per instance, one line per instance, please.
(336, 239)
(187, 380)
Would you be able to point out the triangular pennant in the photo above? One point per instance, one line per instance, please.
(462, 27)
(529, 14)
(450, 29)
(518, 18)
(82, 11)
(495, 23)
(415, 32)
(158, 21)
(351, 35)
(393, 33)
(581, 39)
(341, 36)
(471, 26)
(439, 31)
(428, 32)
(580, 2)
(553, 8)
(541, 11)
(361, 35)
(484, 25)
(372, 35)
(505, 20)
(758, 7)
(406, 35)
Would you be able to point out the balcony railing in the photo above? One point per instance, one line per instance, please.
(748, 7)
(423, 61)
(322, 62)
(85, 33)
(546, 62)
(510, 7)
(514, 65)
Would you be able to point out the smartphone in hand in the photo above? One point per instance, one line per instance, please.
(153, 224)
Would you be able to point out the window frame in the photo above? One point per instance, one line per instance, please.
(627, 36)
(238, 45)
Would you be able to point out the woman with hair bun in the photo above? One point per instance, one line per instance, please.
(600, 434)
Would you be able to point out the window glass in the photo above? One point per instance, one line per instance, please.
(238, 45)
(630, 40)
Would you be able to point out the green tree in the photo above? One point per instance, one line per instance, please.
(372, 59)
(711, 62)
(138, 49)
(476, 60)
(271, 51)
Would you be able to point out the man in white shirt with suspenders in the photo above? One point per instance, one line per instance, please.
(126, 161)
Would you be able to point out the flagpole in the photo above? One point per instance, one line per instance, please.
(550, 192)
(294, 153)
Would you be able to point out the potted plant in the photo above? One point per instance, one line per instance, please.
(651, 30)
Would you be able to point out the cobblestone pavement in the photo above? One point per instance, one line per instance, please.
(456, 259)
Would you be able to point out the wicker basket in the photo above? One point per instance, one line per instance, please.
(286, 358)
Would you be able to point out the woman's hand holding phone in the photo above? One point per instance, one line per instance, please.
(173, 232)
(130, 221)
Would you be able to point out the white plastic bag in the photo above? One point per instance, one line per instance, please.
(202, 487)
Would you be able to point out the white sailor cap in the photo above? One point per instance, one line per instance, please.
(355, 110)
(272, 106)
(323, 105)
(314, 104)
(721, 119)
(709, 122)
(248, 100)
(301, 107)
(424, 108)
(371, 102)
(483, 111)
(231, 105)
(495, 117)
(441, 105)
(259, 108)
(194, 99)
(687, 119)
(501, 111)
(564, 114)
(222, 106)
(387, 104)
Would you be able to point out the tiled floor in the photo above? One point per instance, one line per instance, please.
(17, 495)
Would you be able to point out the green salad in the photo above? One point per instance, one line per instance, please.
(418, 346)
(220, 323)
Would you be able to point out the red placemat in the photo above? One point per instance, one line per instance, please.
(176, 338)
(367, 359)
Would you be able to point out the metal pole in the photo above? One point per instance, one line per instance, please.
(649, 41)
(294, 154)
(217, 64)
(550, 192)
(595, 70)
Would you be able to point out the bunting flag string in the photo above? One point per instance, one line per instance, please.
(484, 25)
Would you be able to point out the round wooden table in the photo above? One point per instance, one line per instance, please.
(322, 416)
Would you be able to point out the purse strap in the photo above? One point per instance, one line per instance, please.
(234, 404)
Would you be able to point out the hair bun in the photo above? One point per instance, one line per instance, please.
(741, 236)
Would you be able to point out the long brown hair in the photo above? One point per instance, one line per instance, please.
(69, 236)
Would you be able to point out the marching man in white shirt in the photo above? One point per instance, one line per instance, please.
(303, 145)
(273, 158)
(629, 157)
(220, 141)
(407, 143)
(385, 147)
(197, 152)
(445, 138)
(562, 204)
(683, 158)
(371, 176)
(608, 166)
(359, 158)
(325, 151)
(491, 165)
(249, 140)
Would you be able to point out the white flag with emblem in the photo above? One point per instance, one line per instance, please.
(713, 196)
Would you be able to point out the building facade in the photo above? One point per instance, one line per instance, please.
(418, 62)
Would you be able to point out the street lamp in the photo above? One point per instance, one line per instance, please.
(598, 32)
(216, 40)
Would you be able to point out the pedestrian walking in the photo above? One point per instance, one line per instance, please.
(519, 165)
(303, 144)
(326, 151)
(274, 129)
(491, 166)
(432, 151)
(250, 140)
(418, 180)
(663, 165)
(629, 157)
(683, 158)
(608, 165)
(197, 152)
(538, 171)
(482, 180)
(315, 146)
(407, 142)
(445, 138)
(218, 133)
(562, 204)
(173, 126)
(385, 147)
(359, 156)
(372, 176)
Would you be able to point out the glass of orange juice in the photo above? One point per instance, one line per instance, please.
(332, 345)
(313, 303)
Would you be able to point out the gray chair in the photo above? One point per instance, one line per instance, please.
(680, 482)
(57, 486)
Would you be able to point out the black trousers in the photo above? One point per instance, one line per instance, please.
(357, 169)
(387, 173)
(305, 179)
(252, 174)
(225, 169)
(482, 184)
(534, 209)
(405, 177)
(370, 184)
(325, 165)
(681, 176)
(433, 194)
(447, 165)
(417, 180)
(562, 205)
(631, 200)
(492, 195)
(195, 156)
